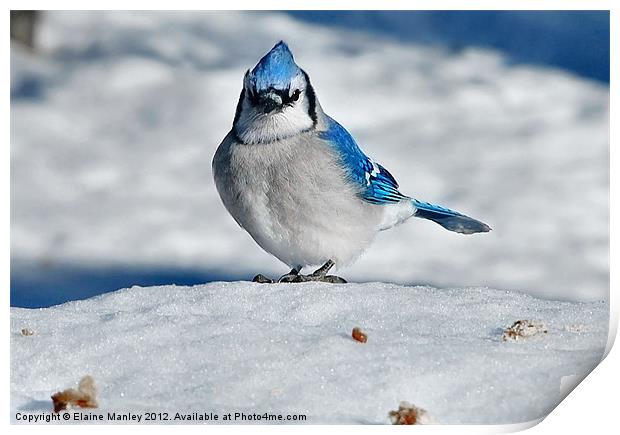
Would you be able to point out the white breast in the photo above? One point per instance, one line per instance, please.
(293, 199)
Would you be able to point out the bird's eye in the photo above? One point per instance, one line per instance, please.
(296, 95)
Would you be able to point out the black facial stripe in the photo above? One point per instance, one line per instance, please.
(311, 99)
(286, 98)
(252, 96)
(239, 106)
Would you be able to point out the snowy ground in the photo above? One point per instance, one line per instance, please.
(239, 346)
(116, 118)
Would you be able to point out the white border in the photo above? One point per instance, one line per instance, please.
(589, 408)
(318, 4)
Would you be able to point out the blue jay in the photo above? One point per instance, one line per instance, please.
(297, 182)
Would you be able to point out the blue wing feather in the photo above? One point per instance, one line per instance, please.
(376, 184)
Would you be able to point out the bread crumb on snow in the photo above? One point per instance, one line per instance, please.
(359, 335)
(27, 331)
(523, 329)
(409, 414)
(83, 397)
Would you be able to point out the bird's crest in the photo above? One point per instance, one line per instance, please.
(276, 69)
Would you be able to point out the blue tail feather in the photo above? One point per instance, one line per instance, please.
(449, 219)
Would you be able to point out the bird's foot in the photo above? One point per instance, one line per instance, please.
(289, 277)
(260, 278)
(292, 276)
(319, 275)
(321, 278)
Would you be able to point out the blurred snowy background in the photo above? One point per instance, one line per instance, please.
(504, 116)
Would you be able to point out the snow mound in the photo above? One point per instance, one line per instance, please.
(287, 348)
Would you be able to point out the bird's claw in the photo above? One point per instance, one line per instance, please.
(289, 278)
(262, 279)
(319, 275)
(318, 278)
(333, 279)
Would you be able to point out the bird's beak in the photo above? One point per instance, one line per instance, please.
(270, 101)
